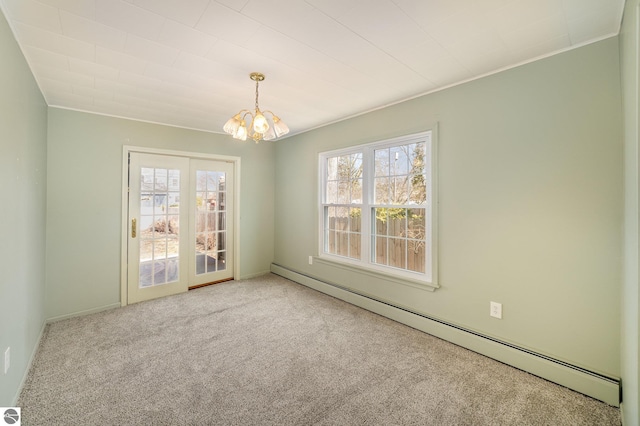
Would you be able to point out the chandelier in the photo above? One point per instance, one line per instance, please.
(260, 126)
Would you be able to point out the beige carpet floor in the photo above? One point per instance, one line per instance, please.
(267, 351)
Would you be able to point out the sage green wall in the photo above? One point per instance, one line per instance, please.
(23, 150)
(84, 202)
(629, 45)
(530, 207)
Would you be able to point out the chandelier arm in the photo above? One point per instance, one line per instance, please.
(247, 112)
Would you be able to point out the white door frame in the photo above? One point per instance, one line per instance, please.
(124, 223)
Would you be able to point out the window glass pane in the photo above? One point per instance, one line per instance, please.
(399, 190)
(381, 216)
(382, 190)
(160, 203)
(172, 246)
(161, 180)
(344, 167)
(222, 261)
(201, 180)
(173, 202)
(343, 192)
(212, 181)
(355, 216)
(418, 188)
(172, 270)
(222, 199)
(332, 192)
(416, 255)
(397, 226)
(417, 157)
(331, 217)
(342, 239)
(380, 255)
(146, 178)
(416, 223)
(145, 226)
(211, 221)
(356, 191)
(331, 241)
(354, 248)
(399, 160)
(222, 221)
(342, 218)
(397, 252)
(159, 228)
(160, 248)
(381, 162)
(332, 168)
(174, 180)
(222, 241)
(159, 272)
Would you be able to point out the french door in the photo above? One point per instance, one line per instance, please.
(180, 220)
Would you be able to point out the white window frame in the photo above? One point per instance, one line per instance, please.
(427, 280)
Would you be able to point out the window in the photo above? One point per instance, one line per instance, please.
(377, 207)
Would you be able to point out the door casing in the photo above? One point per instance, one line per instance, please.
(124, 223)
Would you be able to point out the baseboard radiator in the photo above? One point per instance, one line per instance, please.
(603, 388)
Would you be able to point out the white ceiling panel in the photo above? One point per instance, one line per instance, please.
(182, 37)
(90, 31)
(187, 12)
(225, 23)
(120, 60)
(186, 62)
(54, 42)
(34, 13)
(129, 18)
(93, 69)
(150, 50)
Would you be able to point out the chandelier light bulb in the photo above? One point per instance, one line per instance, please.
(280, 128)
(269, 135)
(241, 132)
(260, 124)
(232, 125)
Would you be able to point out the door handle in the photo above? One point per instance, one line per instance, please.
(133, 228)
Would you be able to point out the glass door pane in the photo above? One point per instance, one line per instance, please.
(212, 188)
(157, 249)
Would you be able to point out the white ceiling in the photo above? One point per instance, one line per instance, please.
(186, 62)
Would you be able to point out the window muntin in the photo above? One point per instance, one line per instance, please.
(376, 207)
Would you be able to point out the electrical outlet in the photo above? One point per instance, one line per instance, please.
(310, 260)
(7, 360)
(495, 310)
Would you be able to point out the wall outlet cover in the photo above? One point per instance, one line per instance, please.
(7, 360)
(495, 310)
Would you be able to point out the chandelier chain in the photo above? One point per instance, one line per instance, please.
(257, 95)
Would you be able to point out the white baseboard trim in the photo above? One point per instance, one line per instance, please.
(603, 388)
(85, 312)
(34, 351)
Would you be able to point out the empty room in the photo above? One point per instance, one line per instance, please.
(319, 212)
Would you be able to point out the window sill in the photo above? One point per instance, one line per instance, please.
(396, 279)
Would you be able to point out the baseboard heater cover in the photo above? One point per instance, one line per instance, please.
(603, 388)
